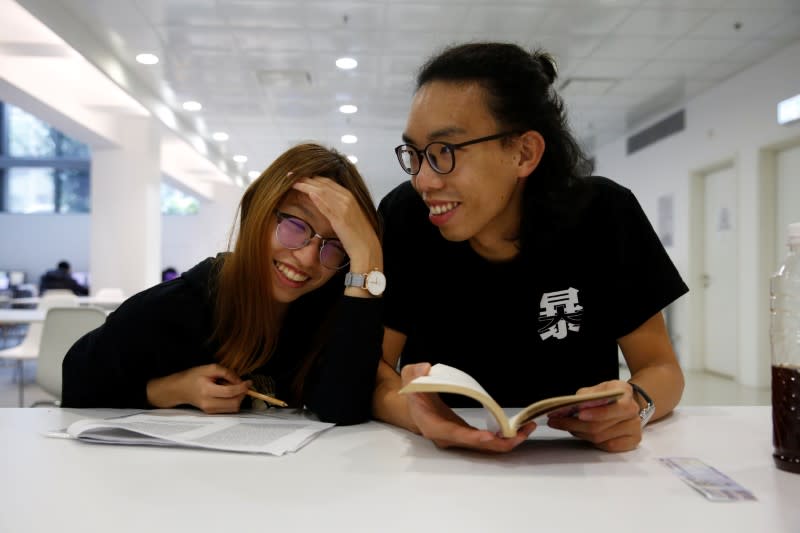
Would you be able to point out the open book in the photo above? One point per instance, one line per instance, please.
(444, 378)
(268, 432)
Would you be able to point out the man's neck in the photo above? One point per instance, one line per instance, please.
(499, 240)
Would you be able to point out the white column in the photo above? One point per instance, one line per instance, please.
(126, 208)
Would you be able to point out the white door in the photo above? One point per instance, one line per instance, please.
(788, 198)
(721, 271)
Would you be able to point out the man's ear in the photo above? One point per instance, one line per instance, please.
(531, 151)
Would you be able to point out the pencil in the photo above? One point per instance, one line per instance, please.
(266, 398)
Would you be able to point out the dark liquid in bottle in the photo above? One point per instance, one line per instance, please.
(786, 417)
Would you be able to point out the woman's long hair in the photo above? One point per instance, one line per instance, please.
(246, 326)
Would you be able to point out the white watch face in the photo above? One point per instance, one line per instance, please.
(376, 283)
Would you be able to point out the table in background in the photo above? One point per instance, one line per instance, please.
(21, 316)
(105, 303)
(377, 478)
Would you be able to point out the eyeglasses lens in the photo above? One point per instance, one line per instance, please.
(332, 255)
(294, 234)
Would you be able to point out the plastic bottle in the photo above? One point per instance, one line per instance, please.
(785, 345)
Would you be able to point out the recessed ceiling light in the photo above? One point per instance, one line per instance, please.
(147, 59)
(239, 158)
(346, 63)
(353, 159)
(348, 109)
(349, 139)
(219, 136)
(253, 174)
(191, 105)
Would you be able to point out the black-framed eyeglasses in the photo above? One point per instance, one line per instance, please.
(295, 233)
(441, 156)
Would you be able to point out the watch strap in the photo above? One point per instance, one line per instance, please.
(351, 279)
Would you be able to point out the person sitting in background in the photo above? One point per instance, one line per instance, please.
(276, 309)
(168, 274)
(61, 278)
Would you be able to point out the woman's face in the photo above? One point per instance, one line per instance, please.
(299, 271)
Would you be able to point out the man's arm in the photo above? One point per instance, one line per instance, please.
(654, 367)
(387, 404)
(653, 364)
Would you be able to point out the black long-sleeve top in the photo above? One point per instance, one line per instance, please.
(166, 329)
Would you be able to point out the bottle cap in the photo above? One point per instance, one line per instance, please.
(793, 233)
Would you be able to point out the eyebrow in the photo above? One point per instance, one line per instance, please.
(307, 214)
(437, 134)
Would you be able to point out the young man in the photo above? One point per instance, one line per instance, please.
(61, 278)
(504, 261)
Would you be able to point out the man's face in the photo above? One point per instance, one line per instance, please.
(478, 199)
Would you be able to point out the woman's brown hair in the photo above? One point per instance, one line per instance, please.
(246, 325)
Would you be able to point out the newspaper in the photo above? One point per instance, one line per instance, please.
(273, 432)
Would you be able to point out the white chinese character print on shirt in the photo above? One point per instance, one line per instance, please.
(559, 313)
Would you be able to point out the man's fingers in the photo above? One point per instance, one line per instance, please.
(410, 372)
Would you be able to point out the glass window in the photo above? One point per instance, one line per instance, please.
(31, 137)
(30, 190)
(69, 147)
(74, 190)
(42, 170)
(28, 136)
(176, 202)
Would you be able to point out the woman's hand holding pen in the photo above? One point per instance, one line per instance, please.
(211, 388)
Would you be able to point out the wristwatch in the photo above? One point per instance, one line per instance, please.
(374, 282)
(649, 409)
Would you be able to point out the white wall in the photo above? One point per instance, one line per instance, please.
(735, 121)
(187, 240)
(36, 243)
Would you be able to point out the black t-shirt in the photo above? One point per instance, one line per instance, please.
(166, 329)
(540, 325)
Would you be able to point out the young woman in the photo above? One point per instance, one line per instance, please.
(274, 309)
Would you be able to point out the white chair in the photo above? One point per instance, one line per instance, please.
(110, 294)
(62, 327)
(29, 347)
(57, 293)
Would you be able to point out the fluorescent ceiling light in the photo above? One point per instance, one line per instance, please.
(191, 105)
(348, 109)
(239, 158)
(219, 136)
(349, 139)
(353, 159)
(346, 63)
(147, 59)
(789, 110)
(253, 174)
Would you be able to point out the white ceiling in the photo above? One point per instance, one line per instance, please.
(264, 69)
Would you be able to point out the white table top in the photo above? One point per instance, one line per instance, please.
(82, 300)
(376, 478)
(21, 316)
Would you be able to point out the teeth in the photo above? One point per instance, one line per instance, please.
(440, 209)
(291, 274)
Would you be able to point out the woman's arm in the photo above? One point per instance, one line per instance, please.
(339, 388)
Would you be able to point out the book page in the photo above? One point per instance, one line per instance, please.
(269, 433)
(565, 405)
(444, 378)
